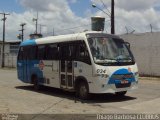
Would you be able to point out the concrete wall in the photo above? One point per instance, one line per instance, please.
(146, 49)
(10, 59)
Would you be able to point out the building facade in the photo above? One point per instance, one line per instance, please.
(10, 52)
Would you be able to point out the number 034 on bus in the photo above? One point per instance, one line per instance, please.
(88, 62)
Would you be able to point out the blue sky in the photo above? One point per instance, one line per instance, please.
(78, 7)
(11, 6)
(81, 6)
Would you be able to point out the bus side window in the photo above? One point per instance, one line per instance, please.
(26, 53)
(41, 52)
(52, 52)
(32, 51)
(20, 54)
(65, 52)
(83, 54)
(72, 51)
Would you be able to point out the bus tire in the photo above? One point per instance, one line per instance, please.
(83, 90)
(35, 83)
(121, 94)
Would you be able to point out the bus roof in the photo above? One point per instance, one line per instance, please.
(64, 38)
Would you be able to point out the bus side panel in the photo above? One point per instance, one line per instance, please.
(28, 68)
(34, 69)
(23, 70)
(51, 73)
(84, 70)
(20, 69)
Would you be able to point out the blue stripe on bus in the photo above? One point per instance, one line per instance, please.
(121, 72)
(28, 42)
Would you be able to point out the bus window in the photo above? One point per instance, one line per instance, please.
(83, 54)
(32, 52)
(41, 52)
(26, 53)
(20, 55)
(72, 51)
(52, 52)
(64, 52)
(68, 51)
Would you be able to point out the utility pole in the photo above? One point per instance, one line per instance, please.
(3, 42)
(110, 14)
(151, 28)
(112, 18)
(22, 35)
(36, 19)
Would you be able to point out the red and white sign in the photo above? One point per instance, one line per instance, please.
(129, 69)
(41, 65)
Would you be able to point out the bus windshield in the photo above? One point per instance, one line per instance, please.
(110, 50)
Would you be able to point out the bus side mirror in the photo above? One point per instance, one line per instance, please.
(128, 44)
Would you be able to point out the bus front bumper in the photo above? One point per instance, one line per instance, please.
(112, 88)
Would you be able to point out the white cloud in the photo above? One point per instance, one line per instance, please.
(135, 4)
(53, 14)
(129, 5)
(134, 14)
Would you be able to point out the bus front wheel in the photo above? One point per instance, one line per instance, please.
(83, 91)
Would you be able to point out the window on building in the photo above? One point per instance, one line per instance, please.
(14, 48)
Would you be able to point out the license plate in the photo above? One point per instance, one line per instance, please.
(124, 81)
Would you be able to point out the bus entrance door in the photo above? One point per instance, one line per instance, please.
(66, 74)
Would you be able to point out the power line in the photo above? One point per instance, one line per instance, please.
(105, 6)
(3, 42)
(73, 28)
(93, 5)
(111, 16)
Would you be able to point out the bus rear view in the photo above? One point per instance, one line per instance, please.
(89, 62)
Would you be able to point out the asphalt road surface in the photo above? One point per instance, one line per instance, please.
(20, 98)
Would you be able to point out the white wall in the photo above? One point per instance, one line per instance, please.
(10, 60)
(146, 49)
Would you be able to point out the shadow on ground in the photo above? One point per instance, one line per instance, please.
(95, 98)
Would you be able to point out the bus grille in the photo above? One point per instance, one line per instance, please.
(122, 85)
(121, 77)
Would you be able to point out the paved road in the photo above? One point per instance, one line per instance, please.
(17, 97)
